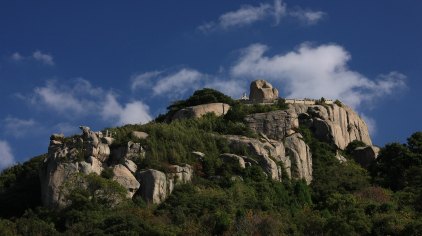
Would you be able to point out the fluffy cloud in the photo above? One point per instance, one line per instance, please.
(130, 113)
(18, 127)
(6, 156)
(247, 15)
(315, 72)
(170, 84)
(43, 57)
(79, 99)
(307, 16)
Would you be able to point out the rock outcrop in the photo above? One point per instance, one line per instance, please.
(124, 177)
(300, 157)
(365, 155)
(338, 125)
(275, 124)
(198, 111)
(156, 186)
(267, 154)
(262, 91)
(85, 154)
(331, 123)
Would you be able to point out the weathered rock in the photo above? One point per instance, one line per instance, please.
(300, 156)
(139, 135)
(93, 165)
(262, 91)
(52, 177)
(130, 151)
(124, 177)
(233, 158)
(365, 155)
(198, 111)
(268, 153)
(153, 186)
(107, 140)
(338, 125)
(331, 123)
(180, 174)
(275, 124)
(130, 165)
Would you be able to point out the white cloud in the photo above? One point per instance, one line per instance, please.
(314, 72)
(169, 84)
(43, 57)
(231, 87)
(247, 15)
(144, 79)
(131, 113)
(6, 156)
(16, 56)
(19, 127)
(308, 16)
(307, 72)
(79, 98)
(75, 99)
(178, 83)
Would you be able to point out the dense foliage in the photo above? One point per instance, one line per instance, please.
(223, 199)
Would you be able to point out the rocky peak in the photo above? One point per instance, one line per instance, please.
(262, 91)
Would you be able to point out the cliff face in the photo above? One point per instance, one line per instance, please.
(339, 125)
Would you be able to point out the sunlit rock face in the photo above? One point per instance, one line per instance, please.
(262, 91)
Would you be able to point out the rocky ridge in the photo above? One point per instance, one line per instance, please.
(280, 149)
(92, 152)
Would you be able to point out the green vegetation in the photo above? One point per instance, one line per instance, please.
(223, 199)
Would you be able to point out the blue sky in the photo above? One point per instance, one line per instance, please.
(103, 63)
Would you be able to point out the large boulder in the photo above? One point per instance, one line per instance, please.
(300, 157)
(198, 111)
(124, 177)
(262, 91)
(268, 153)
(154, 188)
(53, 176)
(180, 174)
(63, 161)
(365, 155)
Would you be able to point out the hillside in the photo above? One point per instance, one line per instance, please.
(212, 165)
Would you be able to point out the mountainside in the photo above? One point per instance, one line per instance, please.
(213, 165)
